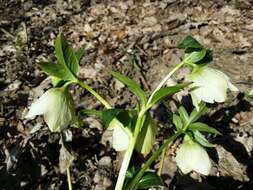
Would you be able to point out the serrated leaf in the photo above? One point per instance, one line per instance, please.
(183, 115)
(196, 114)
(150, 179)
(132, 85)
(164, 92)
(203, 127)
(66, 55)
(190, 42)
(55, 70)
(177, 122)
(201, 139)
(195, 56)
(146, 138)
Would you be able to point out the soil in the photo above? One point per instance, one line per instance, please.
(138, 39)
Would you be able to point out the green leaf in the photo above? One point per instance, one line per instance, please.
(146, 138)
(55, 70)
(109, 114)
(190, 42)
(208, 57)
(164, 92)
(132, 85)
(195, 56)
(66, 55)
(196, 114)
(79, 54)
(150, 179)
(57, 82)
(177, 122)
(201, 139)
(183, 115)
(203, 127)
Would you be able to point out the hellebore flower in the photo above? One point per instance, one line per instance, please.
(209, 85)
(57, 107)
(193, 157)
(120, 138)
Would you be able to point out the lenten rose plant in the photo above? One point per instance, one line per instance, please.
(134, 129)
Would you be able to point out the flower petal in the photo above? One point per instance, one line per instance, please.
(120, 139)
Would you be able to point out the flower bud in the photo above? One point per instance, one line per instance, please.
(210, 85)
(57, 107)
(193, 157)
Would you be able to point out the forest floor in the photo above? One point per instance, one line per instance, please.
(138, 39)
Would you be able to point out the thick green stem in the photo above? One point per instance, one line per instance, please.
(93, 92)
(132, 185)
(129, 152)
(69, 178)
(165, 79)
(160, 170)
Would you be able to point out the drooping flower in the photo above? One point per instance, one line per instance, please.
(193, 157)
(120, 138)
(209, 85)
(57, 107)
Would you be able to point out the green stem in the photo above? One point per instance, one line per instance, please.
(93, 92)
(69, 178)
(129, 152)
(165, 79)
(132, 185)
(160, 170)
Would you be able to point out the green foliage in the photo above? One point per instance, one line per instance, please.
(164, 92)
(177, 122)
(197, 113)
(149, 180)
(203, 127)
(68, 62)
(201, 139)
(183, 115)
(189, 43)
(132, 85)
(195, 53)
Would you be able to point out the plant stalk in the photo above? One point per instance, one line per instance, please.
(129, 152)
(133, 184)
(69, 178)
(93, 92)
(165, 79)
(161, 164)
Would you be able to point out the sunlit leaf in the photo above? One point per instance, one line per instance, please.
(132, 85)
(195, 56)
(66, 55)
(166, 91)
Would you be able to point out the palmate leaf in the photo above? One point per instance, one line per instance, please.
(164, 92)
(195, 56)
(190, 43)
(66, 55)
(201, 139)
(55, 70)
(203, 127)
(177, 122)
(196, 114)
(132, 85)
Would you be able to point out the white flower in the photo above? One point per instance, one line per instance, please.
(193, 157)
(57, 106)
(210, 85)
(120, 138)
